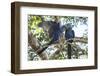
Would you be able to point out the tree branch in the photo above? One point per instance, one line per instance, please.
(34, 43)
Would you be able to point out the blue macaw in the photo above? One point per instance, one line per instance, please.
(69, 34)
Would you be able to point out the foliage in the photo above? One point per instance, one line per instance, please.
(33, 22)
(42, 36)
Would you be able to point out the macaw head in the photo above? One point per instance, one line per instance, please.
(69, 26)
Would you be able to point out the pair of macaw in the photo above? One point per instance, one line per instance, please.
(69, 34)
